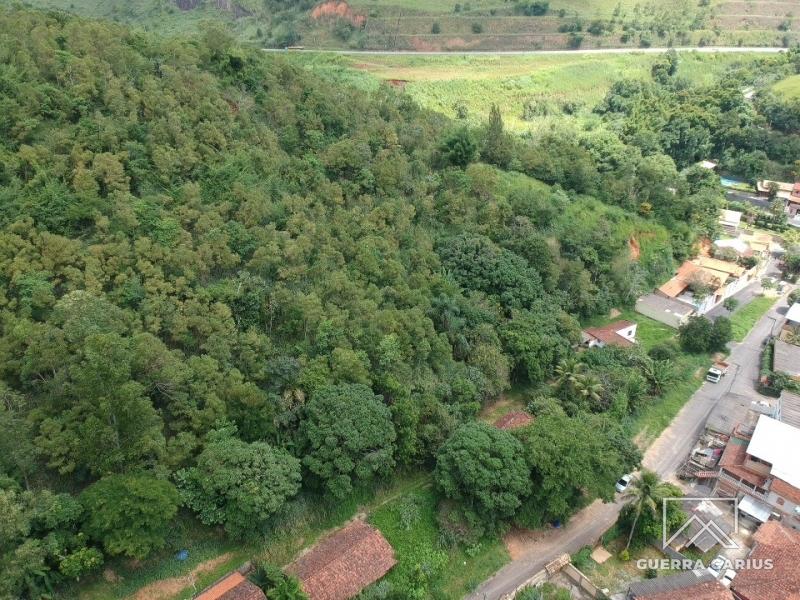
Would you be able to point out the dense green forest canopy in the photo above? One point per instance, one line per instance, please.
(225, 282)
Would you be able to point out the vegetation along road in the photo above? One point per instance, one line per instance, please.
(703, 49)
(664, 456)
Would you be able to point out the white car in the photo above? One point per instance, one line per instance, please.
(728, 577)
(715, 566)
(623, 483)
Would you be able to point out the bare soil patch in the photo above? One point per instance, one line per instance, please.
(168, 588)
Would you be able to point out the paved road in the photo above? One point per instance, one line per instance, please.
(748, 197)
(703, 50)
(664, 457)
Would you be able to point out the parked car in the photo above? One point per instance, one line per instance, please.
(717, 371)
(728, 577)
(623, 483)
(715, 566)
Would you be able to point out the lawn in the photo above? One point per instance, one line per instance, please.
(409, 524)
(743, 319)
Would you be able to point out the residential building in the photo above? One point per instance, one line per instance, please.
(760, 466)
(786, 359)
(793, 316)
(705, 282)
(697, 585)
(234, 586)
(788, 408)
(344, 563)
(618, 333)
(730, 220)
(780, 545)
(664, 309)
(785, 191)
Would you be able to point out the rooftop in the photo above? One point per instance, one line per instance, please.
(697, 585)
(762, 185)
(778, 444)
(786, 358)
(733, 409)
(232, 587)
(667, 305)
(781, 545)
(344, 563)
(794, 313)
(608, 333)
(730, 217)
(790, 408)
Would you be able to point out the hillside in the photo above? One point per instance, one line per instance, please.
(477, 25)
(214, 262)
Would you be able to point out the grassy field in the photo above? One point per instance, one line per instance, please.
(788, 88)
(743, 319)
(447, 83)
(409, 524)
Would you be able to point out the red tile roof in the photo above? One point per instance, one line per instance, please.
(513, 420)
(788, 491)
(708, 590)
(341, 565)
(781, 545)
(232, 587)
(732, 460)
(608, 333)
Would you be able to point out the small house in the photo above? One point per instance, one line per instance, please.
(618, 333)
(344, 563)
(234, 586)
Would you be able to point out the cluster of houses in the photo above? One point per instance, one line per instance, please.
(722, 269)
(750, 450)
(789, 193)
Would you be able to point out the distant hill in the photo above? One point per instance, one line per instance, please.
(476, 25)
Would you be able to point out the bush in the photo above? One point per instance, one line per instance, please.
(436, 29)
(581, 559)
(477, 28)
(663, 351)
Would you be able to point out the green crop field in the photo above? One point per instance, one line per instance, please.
(470, 84)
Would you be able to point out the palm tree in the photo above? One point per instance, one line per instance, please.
(588, 387)
(644, 495)
(567, 372)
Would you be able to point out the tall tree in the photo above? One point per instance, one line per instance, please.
(129, 514)
(346, 436)
(483, 468)
(238, 485)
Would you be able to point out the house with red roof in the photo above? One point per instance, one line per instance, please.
(234, 586)
(618, 333)
(345, 562)
(760, 467)
(780, 578)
